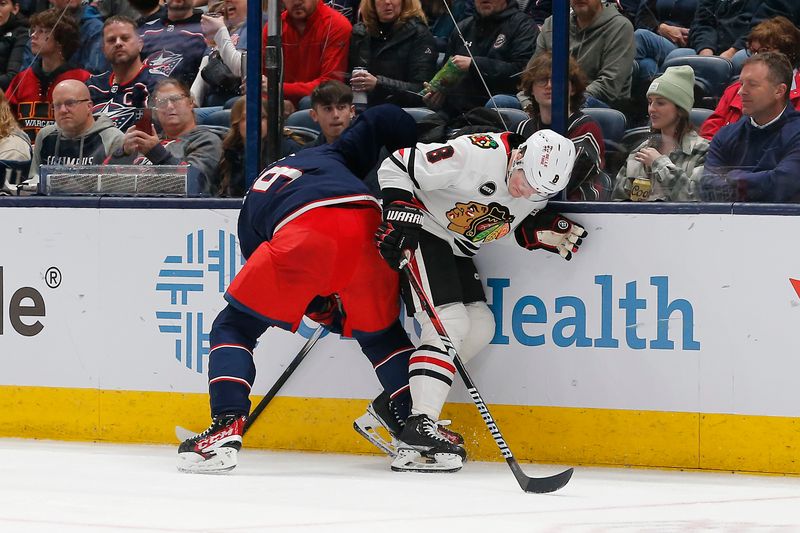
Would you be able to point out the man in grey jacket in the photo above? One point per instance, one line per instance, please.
(76, 138)
(182, 142)
(601, 39)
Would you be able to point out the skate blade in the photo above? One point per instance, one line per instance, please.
(224, 460)
(413, 461)
(367, 426)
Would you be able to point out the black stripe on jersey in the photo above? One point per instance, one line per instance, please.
(398, 163)
(461, 246)
(412, 155)
(430, 374)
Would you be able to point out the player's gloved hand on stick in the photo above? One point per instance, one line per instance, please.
(552, 232)
(402, 222)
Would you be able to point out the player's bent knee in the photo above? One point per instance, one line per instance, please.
(481, 330)
(455, 320)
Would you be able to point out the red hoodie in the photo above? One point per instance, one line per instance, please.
(30, 95)
(317, 55)
(729, 108)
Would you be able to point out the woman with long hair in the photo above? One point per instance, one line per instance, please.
(588, 181)
(231, 167)
(669, 164)
(393, 52)
(15, 149)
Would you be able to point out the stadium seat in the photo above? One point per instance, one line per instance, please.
(699, 115)
(512, 117)
(712, 75)
(308, 135)
(219, 118)
(419, 113)
(612, 125)
(303, 119)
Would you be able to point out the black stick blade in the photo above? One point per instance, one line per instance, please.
(539, 485)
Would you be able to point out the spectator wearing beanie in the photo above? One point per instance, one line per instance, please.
(669, 164)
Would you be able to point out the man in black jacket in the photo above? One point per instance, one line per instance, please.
(718, 24)
(502, 40)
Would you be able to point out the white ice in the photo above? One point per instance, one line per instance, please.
(71, 487)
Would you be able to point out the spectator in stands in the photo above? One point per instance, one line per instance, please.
(332, 108)
(601, 39)
(111, 8)
(757, 159)
(76, 139)
(54, 38)
(122, 92)
(182, 142)
(767, 9)
(90, 53)
(15, 150)
(501, 40)
(669, 164)
(718, 24)
(348, 9)
(14, 36)
(232, 167)
(149, 10)
(773, 35)
(220, 77)
(662, 27)
(315, 40)
(439, 20)
(539, 10)
(588, 182)
(174, 45)
(398, 51)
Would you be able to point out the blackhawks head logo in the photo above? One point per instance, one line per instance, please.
(481, 140)
(478, 222)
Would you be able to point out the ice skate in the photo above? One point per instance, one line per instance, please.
(382, 423)
(213, 451)
(423, 448)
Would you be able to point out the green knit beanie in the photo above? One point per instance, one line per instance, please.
(676, 85)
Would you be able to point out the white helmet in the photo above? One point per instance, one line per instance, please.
(547, 160)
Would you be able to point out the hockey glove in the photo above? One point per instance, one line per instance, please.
(402, 222)
(552, 232)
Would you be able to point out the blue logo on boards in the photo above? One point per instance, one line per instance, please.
(208, 265)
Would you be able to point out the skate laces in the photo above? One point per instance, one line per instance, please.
(217, 423)
(431, 429)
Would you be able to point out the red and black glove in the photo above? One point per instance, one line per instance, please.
(399, 231)
(552, 232)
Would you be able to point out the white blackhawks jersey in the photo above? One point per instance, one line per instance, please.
(462, 186)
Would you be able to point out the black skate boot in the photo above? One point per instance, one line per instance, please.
(423, 448)
(214, 450)
(388, 415)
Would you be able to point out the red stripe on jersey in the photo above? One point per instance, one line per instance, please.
(233, 379)
(401, 350)
(433, 361)
(504, 138)
(239, 346)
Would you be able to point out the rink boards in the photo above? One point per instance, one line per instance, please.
(668, 341)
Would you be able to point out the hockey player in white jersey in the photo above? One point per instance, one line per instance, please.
(443, 201)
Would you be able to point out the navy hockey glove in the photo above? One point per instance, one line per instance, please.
(552, 232)
(402, 222)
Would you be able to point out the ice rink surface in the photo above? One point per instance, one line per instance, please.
(84, 487)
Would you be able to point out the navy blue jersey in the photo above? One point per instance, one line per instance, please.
(122, 103)
(174, 49)
(331, 174)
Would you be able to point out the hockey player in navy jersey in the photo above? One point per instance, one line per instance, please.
(307, 230)
(443, 201)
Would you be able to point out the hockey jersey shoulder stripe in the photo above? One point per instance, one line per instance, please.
(397, 162)
(463, 248)
(412, 156)
(348, 199)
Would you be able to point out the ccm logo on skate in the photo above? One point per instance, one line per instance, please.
(25, 303)
(675, 317)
